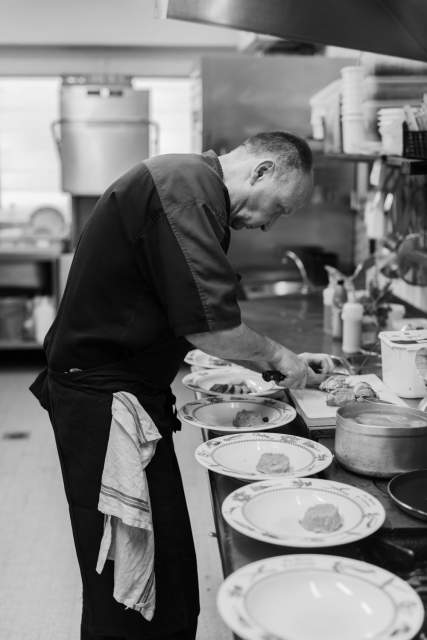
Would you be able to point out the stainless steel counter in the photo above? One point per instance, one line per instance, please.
(401, 544)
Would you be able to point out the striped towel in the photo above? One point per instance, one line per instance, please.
(128, 537)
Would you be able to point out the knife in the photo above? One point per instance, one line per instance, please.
(271, 375)
(277, 376)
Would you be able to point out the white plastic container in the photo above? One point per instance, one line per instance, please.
(353, 133)
(398, 349)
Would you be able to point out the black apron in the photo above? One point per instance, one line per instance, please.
(79, 406)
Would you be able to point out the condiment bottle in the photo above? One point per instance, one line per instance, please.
(338, 300)
(352, 314)
(44, 314)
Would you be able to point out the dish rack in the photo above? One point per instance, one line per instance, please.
(414, 143)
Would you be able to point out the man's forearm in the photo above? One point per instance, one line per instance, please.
(243, 344)
(240, 343)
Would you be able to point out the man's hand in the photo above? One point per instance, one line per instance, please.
(320, 366)
(293, 367)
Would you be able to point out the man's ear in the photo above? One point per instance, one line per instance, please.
(262, 168)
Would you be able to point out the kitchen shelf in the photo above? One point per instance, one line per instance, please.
(30, 256)
(346, 157)
(407, 166)
(27, 273)
(9, 345)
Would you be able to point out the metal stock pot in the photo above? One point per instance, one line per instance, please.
(381, 440)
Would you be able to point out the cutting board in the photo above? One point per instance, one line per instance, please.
(311, 403)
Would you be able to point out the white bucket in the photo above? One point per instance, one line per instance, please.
(399, 372)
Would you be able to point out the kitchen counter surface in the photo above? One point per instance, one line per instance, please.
(401, 544)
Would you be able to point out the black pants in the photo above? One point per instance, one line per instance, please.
(81, 421)
(185, 634)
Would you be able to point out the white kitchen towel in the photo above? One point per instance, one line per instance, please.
(128, 537)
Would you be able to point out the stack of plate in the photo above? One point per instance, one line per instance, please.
(198, 359)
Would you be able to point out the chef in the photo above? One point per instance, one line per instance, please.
(149, 280)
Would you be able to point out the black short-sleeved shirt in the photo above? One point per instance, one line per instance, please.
(150, 266)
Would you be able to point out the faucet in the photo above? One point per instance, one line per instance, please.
(306, 284)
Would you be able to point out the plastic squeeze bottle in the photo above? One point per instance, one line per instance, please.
(338, 299)
(352, 314)
(328, 295)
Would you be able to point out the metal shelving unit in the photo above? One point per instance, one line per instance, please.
(18, 256)
(407, 166)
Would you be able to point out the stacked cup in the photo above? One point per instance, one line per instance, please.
(390, 122)
(352, 114)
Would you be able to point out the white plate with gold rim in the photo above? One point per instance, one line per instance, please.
(218, 414)
(198, 358)
(281, 512)
(322, 597)
(202, 382)
(240, 456)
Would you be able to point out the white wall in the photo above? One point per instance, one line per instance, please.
(101, 22)
(28, 157)
(170, 107)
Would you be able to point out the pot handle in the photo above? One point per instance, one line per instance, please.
(56, 124)
(55, 128)
(402, 558)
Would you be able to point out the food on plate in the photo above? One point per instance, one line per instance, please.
(235, 388)
(248, 418)
(322, 518)
(341, 396)
(334, 382)
(273, 463)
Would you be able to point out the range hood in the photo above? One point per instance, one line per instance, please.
(392, 27)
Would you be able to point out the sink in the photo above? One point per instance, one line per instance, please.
(274, 280)
(260, 289)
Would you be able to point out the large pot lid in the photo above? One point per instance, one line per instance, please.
(392, 27)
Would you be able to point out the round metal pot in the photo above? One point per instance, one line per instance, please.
(378, 450)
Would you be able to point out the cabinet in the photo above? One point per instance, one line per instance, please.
(23, 276)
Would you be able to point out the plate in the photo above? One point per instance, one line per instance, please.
(303, 596)
(217, 414)
(409, 492)
(48, 221)
(272, 511)
(237, 456)
(198, 358)
(202, 381)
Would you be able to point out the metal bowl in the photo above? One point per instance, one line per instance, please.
(380, 440)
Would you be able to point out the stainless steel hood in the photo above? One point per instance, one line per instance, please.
(392, 27)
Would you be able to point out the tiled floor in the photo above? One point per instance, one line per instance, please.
(39, 579)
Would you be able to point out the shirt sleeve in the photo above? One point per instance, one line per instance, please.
(192, 276)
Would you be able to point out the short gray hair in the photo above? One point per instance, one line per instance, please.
(291, 151)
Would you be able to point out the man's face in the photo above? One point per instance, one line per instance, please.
(258, 201)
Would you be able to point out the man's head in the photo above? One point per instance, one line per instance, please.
(268, 176)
